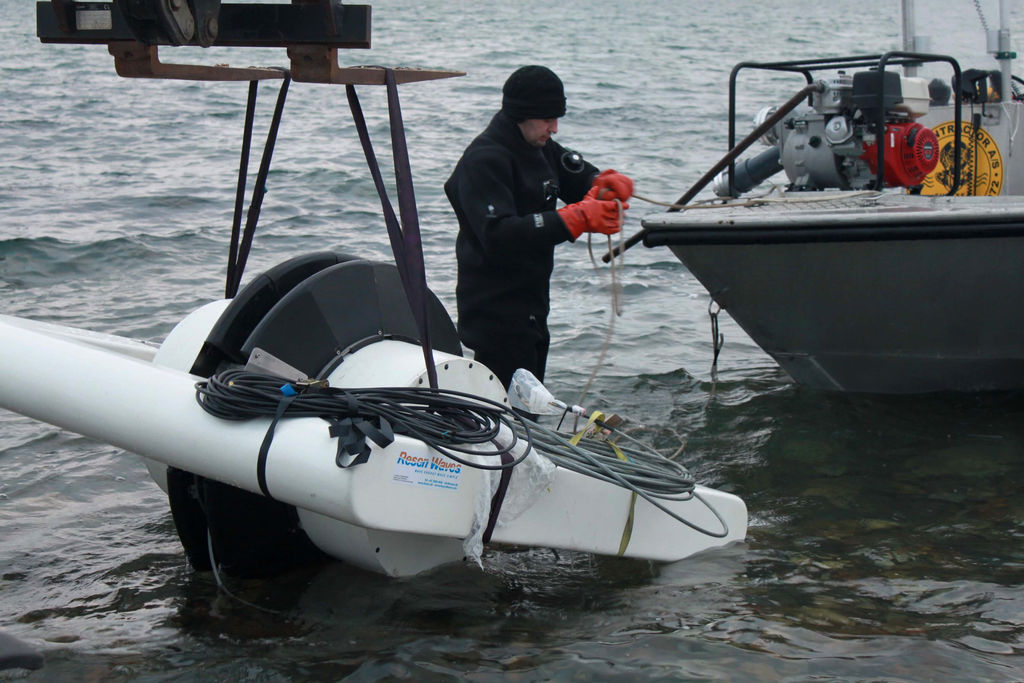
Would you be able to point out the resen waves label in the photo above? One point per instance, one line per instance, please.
(429, 469)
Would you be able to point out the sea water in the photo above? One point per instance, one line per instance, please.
(885, 536)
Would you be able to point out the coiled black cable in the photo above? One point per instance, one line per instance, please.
(450, 422)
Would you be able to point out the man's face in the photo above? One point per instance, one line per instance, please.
(538, 131)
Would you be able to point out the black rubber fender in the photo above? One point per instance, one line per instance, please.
(342, 308)
(252, 303)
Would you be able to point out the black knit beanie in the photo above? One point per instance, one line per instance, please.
(533, 92)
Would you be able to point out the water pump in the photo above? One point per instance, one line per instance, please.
(832, 144)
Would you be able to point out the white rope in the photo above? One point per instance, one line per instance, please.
(616, 304)
(220, 582)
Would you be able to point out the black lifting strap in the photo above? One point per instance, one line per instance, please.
(238, 253)
(405, 237)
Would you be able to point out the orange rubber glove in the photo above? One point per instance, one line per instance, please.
(613, 185)
(591, 215)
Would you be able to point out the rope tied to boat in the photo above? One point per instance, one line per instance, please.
(714, 308)
(717, 338)
(616, 303)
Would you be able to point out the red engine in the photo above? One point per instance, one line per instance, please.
(911, 153)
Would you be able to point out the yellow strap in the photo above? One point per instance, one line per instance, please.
(627, 531)
(594, 417)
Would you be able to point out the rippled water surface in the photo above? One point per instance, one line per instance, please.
(887, 534)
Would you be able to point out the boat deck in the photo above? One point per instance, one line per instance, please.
(836, 216)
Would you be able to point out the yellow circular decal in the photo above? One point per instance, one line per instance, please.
(981, 163)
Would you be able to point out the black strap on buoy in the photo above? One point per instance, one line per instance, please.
(352, 433)
(261, 460)
(499, 497)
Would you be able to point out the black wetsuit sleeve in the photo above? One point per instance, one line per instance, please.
(485, 191)
(573, 183)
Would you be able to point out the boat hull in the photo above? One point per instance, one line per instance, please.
(910, 296)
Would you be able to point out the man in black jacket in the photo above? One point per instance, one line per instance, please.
(504, 191)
